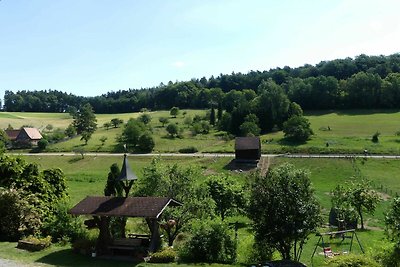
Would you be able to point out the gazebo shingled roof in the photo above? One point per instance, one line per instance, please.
(145, 207)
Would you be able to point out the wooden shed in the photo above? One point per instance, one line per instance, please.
(247, 149)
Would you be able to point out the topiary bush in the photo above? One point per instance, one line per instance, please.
(164, 256)
(351, 261)
(210, 241)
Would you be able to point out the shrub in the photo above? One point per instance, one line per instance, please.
(18, 216)
(210, 242)
(351, 261)
(375, 137)
(196, 129)
(32, 243)
(190, 149)
(164, 256)
(172, 129)
(42, 144)
(145, 118)
(62, 224)
(387, 254)
(146, 142)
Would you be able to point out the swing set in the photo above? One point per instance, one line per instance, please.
(327, 250)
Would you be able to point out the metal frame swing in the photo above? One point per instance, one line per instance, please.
(327, 250)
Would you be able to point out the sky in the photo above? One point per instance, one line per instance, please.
(89, 48)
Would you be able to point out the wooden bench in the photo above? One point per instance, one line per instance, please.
(125, 244)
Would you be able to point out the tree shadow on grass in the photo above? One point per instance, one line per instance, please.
(290, 142)
(350, 112)
(67, 257)
(74, 160)
(233, 165)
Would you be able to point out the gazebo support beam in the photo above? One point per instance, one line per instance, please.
(155, 241)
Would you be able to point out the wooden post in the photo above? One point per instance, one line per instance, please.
(155, 241)
(104, 238)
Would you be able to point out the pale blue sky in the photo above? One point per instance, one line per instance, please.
(89, 47)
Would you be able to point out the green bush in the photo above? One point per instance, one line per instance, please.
(164, 256)
(387, 254)
(375, 137)
(42, 144)
(190, 149)
(45, 241)
(351, 261)
(32, 243)
(146, 142)
(210, 241)
(18, 216)
(63, 225)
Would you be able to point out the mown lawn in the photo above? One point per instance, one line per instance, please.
(334, 132)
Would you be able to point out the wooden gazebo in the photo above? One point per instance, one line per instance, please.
(102, 208)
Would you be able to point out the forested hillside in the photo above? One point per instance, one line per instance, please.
(362, 82)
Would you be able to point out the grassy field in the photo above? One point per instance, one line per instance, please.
(334, 132)
(88, 176)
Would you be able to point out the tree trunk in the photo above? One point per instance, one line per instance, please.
(361, 218)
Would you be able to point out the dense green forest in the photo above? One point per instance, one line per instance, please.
(362, 82)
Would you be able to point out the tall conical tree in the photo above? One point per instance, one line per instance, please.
(212, 116)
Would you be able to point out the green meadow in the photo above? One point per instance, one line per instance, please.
(88, 176)
(334, 132)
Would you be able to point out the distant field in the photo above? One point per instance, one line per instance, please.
(334, 132)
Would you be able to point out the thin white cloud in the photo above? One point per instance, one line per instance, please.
(178, 64)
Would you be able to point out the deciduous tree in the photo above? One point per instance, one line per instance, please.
(227, 194)
(174, 111)
(392, 221)
(116, 122)
(297, 128)
(361, 197)
(85, 122)
(131, 133)
(284, 210)
(164, 120)
(172, 129)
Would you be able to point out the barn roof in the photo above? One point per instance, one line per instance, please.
(145, 207)
(246, 143)
(12, 134)
(33, 133)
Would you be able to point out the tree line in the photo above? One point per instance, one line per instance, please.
(362, 82)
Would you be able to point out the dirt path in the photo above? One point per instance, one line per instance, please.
(264, 165)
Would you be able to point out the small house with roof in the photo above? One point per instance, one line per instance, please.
(247, 149)
(24, 136)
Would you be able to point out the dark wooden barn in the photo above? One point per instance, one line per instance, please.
(247, 149)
